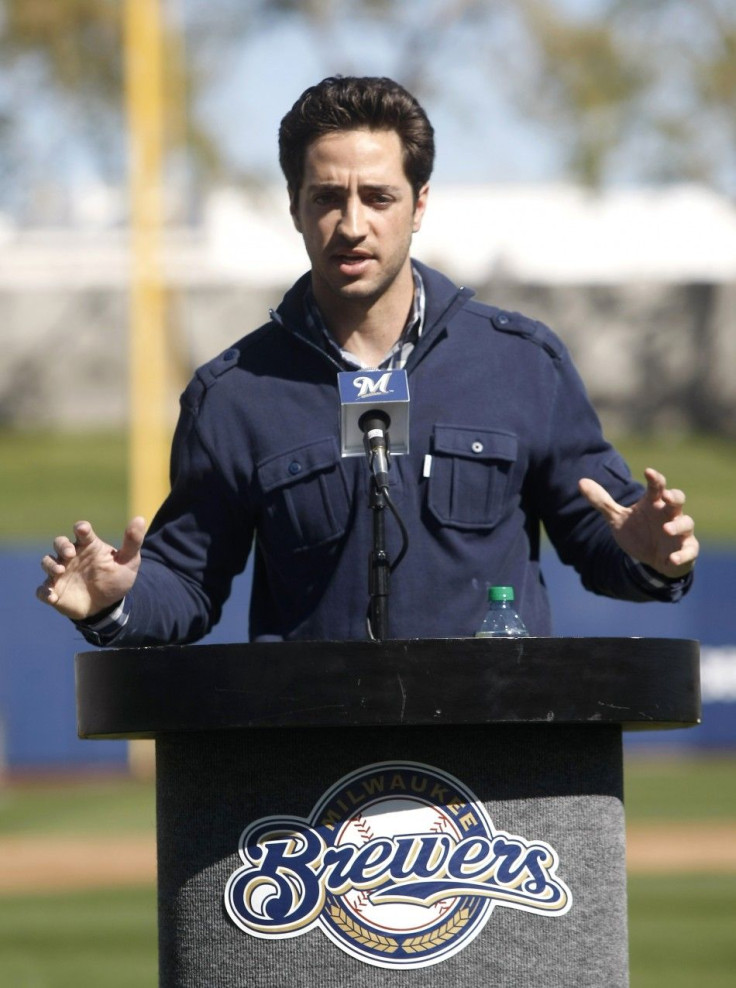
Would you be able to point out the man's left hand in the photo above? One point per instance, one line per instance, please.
(655, 530)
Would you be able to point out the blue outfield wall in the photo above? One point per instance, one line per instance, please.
(37, 707)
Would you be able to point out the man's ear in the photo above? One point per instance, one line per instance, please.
(294, 210)
(419, 207)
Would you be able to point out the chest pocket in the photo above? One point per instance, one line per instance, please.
(305, 496)
(471, 475)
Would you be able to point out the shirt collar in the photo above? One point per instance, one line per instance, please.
(399, 352)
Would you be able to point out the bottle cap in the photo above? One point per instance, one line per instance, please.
(500, 593)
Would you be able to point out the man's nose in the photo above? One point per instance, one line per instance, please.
(353, 221)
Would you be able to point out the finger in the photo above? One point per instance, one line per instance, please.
(656, 483)
(132, 540)
(47, 594)
(687, 553)
(599, 498)
(672, 502)
(52, 567)
(83, 534)
(64, 548)
(674, 497)
(682, 525)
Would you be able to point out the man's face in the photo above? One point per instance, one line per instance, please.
(356, 212)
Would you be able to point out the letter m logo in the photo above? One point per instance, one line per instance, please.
(368, 388)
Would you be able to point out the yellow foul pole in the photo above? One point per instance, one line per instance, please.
(149, 361)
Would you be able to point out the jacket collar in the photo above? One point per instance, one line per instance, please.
(443, 299)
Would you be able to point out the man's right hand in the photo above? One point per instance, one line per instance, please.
(86, 576)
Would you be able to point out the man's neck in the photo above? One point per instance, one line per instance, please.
(368, 329)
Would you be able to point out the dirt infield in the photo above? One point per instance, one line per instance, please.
(681, 847)
(57, 863)
(31, 865)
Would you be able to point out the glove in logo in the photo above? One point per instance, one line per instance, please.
(399, 865)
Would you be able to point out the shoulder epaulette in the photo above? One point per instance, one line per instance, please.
(224, 362)
(207, 375)
(518, 324)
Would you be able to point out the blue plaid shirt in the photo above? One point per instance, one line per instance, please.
(396, 357)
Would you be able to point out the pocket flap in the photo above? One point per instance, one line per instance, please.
(478, 444)
(296, 464)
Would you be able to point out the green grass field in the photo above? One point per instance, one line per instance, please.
(51, 480)
(100, 939)
(681, 926)
(680, 932)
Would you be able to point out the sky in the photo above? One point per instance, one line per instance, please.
(481, 135)
(478, 137)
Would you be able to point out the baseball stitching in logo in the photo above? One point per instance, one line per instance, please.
(399, 864)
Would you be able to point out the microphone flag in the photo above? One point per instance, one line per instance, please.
(385, 391)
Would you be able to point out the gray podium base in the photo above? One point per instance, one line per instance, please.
(561, 784)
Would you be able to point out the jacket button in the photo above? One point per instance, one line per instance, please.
(295, 467)
(502, 320)
(477, 447)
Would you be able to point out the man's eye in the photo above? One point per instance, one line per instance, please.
(325, 199)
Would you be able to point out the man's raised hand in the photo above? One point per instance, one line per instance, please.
(87, 576)
(655, 530)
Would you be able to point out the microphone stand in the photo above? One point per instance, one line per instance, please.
(376, 442)
(379, 570)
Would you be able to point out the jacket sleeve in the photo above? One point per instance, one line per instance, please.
(198, 541)
(575, 448)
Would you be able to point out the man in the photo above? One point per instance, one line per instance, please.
(501, 435)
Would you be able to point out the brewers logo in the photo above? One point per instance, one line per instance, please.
(399, 864)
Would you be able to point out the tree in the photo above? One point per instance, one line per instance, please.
(684, 119)
(642, 90)
(63, 64)
(633, 89)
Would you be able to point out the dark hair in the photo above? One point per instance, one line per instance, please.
(348, 103)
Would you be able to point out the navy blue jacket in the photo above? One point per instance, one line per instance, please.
(256, 462)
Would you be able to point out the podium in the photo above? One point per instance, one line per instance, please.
(397, 813)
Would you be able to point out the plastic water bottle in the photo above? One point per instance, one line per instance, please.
(501, 621)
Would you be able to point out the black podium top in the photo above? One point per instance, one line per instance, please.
(639, 683)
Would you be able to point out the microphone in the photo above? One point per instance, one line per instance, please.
(374, 424)
(367, 391)
(370, 403)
